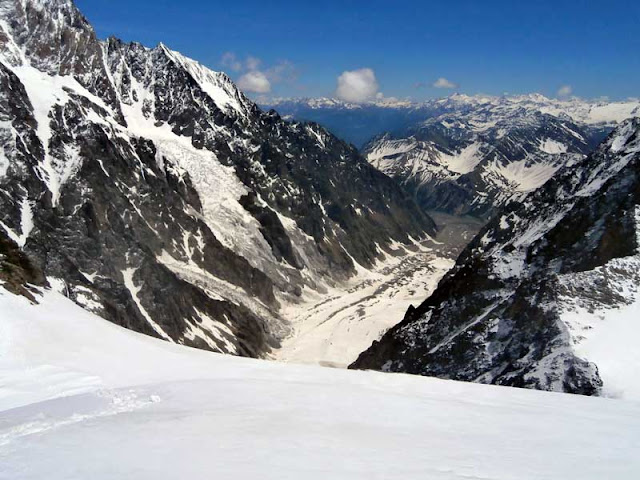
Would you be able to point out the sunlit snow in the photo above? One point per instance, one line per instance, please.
(83, 398)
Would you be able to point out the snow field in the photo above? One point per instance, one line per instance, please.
(137, 406)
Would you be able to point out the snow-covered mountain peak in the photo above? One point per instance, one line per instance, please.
(43, 26)
(56, 39)
(58, 12)
(217, 85)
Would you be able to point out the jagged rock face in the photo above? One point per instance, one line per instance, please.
(474, 162)
(17, 273)
(500, 316)
(56, 38)
(157, 195)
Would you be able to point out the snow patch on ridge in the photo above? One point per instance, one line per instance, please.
(551, 146)
(464, 161)
(524, 175)
(127, 276)
(45, 92)
(26, 224)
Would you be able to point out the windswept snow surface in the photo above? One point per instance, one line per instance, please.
(83, 398)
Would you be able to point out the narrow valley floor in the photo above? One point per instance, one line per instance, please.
(333, 329)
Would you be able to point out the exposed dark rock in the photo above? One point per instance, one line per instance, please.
(17, 273)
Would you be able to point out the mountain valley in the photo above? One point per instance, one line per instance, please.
(151, 191)
(200, 279)
(544, 276)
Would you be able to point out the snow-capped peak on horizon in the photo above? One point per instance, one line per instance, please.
(533, 97)
(582, 109)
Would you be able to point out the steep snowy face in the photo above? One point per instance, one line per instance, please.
(153, 192)
(477, 158)
(535, 298)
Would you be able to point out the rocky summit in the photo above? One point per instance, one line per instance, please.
(149, 190)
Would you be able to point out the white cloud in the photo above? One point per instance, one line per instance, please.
(444, 83)
(357, 85)
(283, 71)
(230, 61)
(253, 63)
(565, 91)
(255, 81)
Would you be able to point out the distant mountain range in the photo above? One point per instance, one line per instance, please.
(358, 123)
(471, 154)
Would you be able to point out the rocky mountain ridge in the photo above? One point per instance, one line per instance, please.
(534, 284)
(151, 191)
(476, 162)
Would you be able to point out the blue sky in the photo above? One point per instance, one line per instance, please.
(301, 48)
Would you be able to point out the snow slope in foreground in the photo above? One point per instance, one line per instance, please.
(83, 398)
